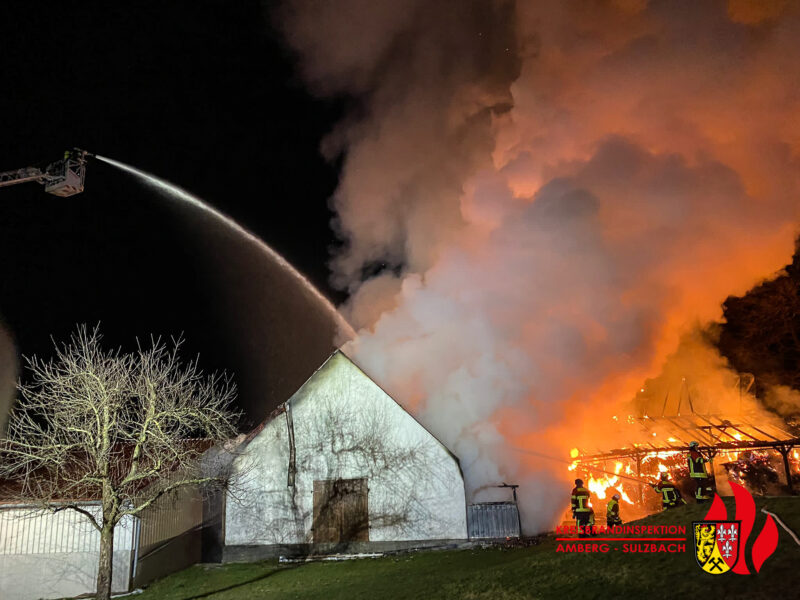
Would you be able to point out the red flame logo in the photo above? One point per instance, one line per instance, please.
(767, 540)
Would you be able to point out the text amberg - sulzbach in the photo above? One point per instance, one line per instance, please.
(637, 545)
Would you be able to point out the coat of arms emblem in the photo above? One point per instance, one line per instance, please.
(716, 545)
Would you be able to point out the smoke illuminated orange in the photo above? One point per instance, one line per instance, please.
(565, 219)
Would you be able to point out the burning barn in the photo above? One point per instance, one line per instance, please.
(749, 450)
(340, 466)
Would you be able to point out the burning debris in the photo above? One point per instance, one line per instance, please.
(696, 398)
(746, 453)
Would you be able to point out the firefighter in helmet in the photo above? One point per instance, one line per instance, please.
(612, 511)
(698, 474)
(581, 507)
(670, 495)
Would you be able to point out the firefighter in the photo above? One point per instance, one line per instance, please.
(590, 531)
(612, 511)
(697, 472)
(670, 495)
(581, 508)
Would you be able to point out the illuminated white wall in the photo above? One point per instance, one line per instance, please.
(346, 427)
(55, 555)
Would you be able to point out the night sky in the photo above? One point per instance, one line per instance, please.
(543, 202)
(202, 94)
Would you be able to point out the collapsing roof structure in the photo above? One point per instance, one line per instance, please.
(666, 435)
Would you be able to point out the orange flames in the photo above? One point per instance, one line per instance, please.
(601, 485)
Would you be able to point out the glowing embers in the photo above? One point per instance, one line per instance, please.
(762, 456)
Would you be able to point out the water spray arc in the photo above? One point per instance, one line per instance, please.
(177, 193)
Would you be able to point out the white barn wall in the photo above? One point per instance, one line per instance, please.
(346, 427)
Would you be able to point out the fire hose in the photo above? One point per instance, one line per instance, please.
(782, 524)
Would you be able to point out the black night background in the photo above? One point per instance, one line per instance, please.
(200, 93)
(563, 236)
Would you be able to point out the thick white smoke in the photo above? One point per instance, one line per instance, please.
(560, 191)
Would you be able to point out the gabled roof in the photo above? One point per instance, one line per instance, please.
(281, 408)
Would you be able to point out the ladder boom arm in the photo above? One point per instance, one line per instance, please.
(21, 176)
(63, 177)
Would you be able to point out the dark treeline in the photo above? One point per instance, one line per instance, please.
(761, 332)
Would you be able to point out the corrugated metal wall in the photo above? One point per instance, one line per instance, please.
(170, 538)
(30, 530)
(53, 555)
(45, 554)
(170, 517)
(493, 520)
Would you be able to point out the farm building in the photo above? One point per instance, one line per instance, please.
(47, 554)
(340, 466)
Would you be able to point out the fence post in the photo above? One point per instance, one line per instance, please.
(137, 530)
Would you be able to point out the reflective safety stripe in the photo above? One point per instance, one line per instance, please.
(697, 468)
(700, 494)
(668, 494)
(580, 501)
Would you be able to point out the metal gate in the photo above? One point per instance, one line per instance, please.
(493, 520)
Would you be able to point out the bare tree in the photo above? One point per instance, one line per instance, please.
(125, 428)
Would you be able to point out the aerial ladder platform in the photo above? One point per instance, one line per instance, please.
(63, 177)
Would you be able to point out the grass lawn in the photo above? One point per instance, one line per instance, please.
(507, 574)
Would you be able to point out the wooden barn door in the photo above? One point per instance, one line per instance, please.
(341, 511)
